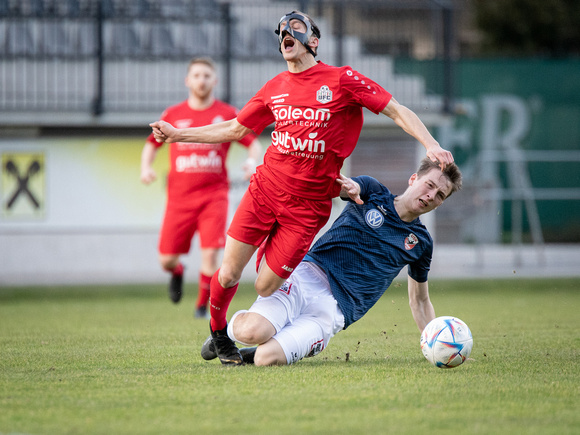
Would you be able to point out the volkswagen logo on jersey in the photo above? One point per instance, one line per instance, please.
(374, 218)
(324, 95)
(411, 241)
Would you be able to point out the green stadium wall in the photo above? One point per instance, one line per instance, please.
(534, 103)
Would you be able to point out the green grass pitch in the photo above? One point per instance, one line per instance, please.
(125, 360)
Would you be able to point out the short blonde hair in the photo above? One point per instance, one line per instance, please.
(201, 60)
(451, 171)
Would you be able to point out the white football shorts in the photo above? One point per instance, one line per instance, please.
(303, 311)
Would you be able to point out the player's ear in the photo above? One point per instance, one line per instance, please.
(313, 43)
(412, 179)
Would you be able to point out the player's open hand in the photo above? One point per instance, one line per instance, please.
(163, 131)
(438, 154)
(349, 188)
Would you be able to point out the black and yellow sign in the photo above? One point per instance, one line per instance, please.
(23, 185)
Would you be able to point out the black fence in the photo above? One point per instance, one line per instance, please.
(119, 57)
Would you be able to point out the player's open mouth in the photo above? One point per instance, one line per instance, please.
(288, 43)
(423, 203)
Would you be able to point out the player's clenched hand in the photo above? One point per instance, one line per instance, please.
(438, 154)
(349, 188)
(148, 176)
(163, 131)
(249, 168)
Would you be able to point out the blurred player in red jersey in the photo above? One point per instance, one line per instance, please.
(197, 184)
(318, 114)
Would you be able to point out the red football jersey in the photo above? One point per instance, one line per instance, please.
(195, 166)
(318, 115)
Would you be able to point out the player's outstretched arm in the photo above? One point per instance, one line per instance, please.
(226, 131)
(420, 303)
(410, 122)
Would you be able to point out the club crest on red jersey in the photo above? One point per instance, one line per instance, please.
(324, 95)
(411, 241)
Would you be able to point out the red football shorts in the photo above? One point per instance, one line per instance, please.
(289, 222)
(208, 216)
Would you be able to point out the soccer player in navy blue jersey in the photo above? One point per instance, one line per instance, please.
(348, 269)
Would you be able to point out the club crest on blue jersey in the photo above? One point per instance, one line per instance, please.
(411, 241)
(374, 218)
(324, 95)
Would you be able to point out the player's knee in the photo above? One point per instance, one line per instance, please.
(261, 359)
(265, 291)
(246, 335)
(266, 288)
(264, 356)
(240, 329)
(267, 282)
(168, 262)
(251, 330)
(228, 277)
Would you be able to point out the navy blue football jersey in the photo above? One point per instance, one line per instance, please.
(366, 248)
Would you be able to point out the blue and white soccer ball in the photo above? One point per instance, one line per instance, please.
(446, 342)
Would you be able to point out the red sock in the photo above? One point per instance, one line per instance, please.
(177, 270)
(203, 292)
(219, 302)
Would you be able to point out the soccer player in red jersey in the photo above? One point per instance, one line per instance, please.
(197, 183)
(318, 114)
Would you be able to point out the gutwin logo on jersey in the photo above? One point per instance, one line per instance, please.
(212, 162)
(374, 218)
(310, 147)
(287, 143)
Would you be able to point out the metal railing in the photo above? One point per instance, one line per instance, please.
(95, 57)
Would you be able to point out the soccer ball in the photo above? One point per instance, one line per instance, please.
(446, 342)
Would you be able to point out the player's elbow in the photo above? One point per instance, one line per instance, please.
(236, 131)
